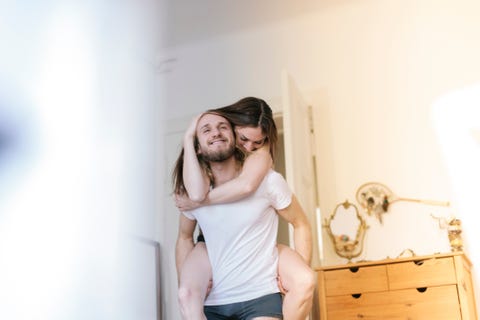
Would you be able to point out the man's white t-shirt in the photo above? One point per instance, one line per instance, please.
(241, 242)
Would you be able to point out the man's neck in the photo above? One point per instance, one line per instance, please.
(225, 171)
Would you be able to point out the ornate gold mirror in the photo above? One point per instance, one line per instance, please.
(346, 229)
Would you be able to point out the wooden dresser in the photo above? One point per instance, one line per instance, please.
(421, 287)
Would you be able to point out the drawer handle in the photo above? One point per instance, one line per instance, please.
(353, 269)
(356, 295)
(418, 262)
(423, 289)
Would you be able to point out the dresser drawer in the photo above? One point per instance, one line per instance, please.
(426, 303)
(421, 273)
(355, 280)
(433, 303)
(364, 306)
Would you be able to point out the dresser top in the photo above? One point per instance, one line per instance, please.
(395, 260)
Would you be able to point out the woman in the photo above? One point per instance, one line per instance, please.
(256, 135)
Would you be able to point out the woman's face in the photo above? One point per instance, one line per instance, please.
(250, 138)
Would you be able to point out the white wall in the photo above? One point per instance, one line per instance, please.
(373, 71)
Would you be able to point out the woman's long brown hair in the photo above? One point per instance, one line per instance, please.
(252, 112)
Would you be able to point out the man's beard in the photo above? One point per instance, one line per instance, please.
(218, 155)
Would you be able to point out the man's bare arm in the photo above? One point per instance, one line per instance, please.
(302, 235)
(184, 243)
(195, 178)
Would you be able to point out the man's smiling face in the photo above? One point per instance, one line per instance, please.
(215, 138)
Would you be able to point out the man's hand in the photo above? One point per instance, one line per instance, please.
(192, 128)
(209, 288)
(184, 203)
(280, 285)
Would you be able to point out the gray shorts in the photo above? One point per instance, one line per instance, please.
(266, 306)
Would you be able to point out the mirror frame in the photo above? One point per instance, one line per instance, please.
(347, 248)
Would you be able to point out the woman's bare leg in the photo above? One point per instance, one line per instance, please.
(195, 277)
(298, 280)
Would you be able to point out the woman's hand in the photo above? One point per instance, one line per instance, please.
(184, 203)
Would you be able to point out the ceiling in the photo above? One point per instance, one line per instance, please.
(188, 21)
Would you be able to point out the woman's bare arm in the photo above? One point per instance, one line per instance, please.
(254, 170)
(194, 177)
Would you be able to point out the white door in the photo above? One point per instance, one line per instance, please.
(300, 157)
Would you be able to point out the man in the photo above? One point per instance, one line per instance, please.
(240, 236)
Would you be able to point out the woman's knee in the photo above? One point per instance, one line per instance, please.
(305, 282)
(187, 296)
(190, 303)
(184, 295)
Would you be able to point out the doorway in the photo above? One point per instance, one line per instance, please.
(279, 166)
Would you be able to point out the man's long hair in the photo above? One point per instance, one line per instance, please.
(177, 174)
